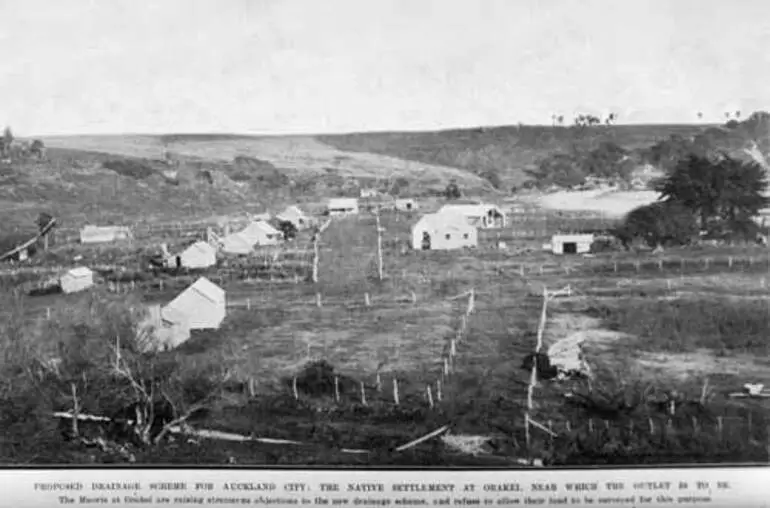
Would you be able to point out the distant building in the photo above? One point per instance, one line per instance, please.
(198, 255)
(77, 279)
(369, 193)
(571, 244)
(104, 234)
(236, 244)
(158, 333)
(296, 216)
(202, 306)
(443, 232)
(261, 233)
(342, 206)
(481, 215)
(406, 205)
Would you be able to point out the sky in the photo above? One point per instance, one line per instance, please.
(317, 66)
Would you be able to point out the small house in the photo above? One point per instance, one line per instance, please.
(443, 232)
(571, 244)
(158, 333)
(481, 215)
(198, 255)
(260, 217)
(77, 279)
(296, 216)
(369, 193)
(236, 244)
(342, 206)
(202, 306)
(104, 234)
(261, 233)
(406, 205)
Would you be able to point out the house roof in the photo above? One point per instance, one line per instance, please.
(444, 221)
(254, 231)
(575, 237)
(343, 203)
(200, 246)
(178, 307)
(80, 271)
(236, 243)
(475, 210)
(291, 212)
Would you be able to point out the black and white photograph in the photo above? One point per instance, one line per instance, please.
(376, 233)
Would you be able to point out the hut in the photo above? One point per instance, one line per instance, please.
(447, 231)
(76, 279)
(481, 215)
(236, 244)
(342, 206)
(104, 234)
(198, 255)
(202, 306)
(406, 205)
(261, 233)
(571, 244)
(296, 216)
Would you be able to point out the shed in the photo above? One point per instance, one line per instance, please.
(443, 232)
(261, 233)
(296, 216)
(342, 206)
(104, 234)
(76, 279)
(406, 205)
(198, 255)
(236, 244)
(571, 244)
(158, 333)
(202, 306)
(480, 215)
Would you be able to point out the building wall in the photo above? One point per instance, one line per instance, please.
(438, 239)
(72, 284)
(583, 243)
(199, 257)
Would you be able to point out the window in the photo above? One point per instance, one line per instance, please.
(448, 236)
(465, 236)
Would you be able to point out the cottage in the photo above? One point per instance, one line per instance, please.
(571, 244)
(342, 206)
(104, 234)
(198, 255)
(261, 233)
(236, 244)
(480, 215)
(77, 279)
(202, 306)
(443, 232)
(158, 333)
(296, 216)
(406, 205)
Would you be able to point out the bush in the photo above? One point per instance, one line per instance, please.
(130, 168)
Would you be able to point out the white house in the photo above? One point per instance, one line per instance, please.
(342, 206)
(156, 333)
(406, 205)
(104, 234)
(261, 233)
(369, 193)
(437, 231)
(198, 255)
(76, 279)
(236, 244)
(480, 215)
(202, 306)
(296, 216)
(571, 244)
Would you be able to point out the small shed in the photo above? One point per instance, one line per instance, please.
(261, 233)
(158, 333)
(296, 216)
(571, 244)
(236, 244)
(342, 206)
(406, 205)
(76, 279)
(202, 306)
(481, 215)
(443, 232)
(104, 234)
(198, 255)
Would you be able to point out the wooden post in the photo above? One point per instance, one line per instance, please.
(526, 431)
(637, 265)
(294, 388)
(414, 297)
(719, 426)
(336, 388)
(430, 396)
(248, 303)
(591, 425)
(660, 265)
(446, 367)
(652, 426)
(318, 300)
(48, 312)
(75, 410)
(452, 348)
(363, 393)
(379, 247)
(668, 284)
(541, 269)
(730, 262)
(681, 264)
(367, 302)
(395, 390)
(569, 426)
(438, 390)
(133, 285)
(378, 383)
(315, 258)
(694, 424)
(521, 270)
(615, 266)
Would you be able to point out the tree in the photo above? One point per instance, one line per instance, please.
(452, 191)
(288, 229)
(37, 148)
(658, 224)
(559, 169)
(721, 189)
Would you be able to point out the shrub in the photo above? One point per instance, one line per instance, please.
(130, 168)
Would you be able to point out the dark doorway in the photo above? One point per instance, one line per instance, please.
(179, 261)
(569, 248)
(425, 241)
(409, 206)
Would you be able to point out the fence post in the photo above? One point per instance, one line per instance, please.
(294, 388)
(318, 300)
(637, 265)
(438, 390)
(395, 390)
(430, 396)
(363, 393)
(719, 427)
(48, 312)
(660, 265)
(414, 297)
(248, 303)
(615, 266)
(75, 410)
(730, 262)
(336, 388)
(706, 263)
(367, 302)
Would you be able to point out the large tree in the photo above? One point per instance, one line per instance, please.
(717, 190)
(658, 224)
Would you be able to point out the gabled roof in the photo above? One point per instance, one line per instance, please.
(343, 203)
(254, 231)
(80, 271)
(291, 212)
(476, 210)
(444, 221)
(236, 243)
(204, 288)
(200, 246)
